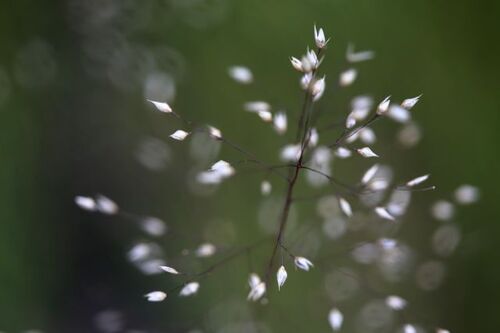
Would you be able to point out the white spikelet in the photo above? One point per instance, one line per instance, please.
(161, 106)
(395, 302)
(345, 206)
(86, 203)
(319, 38)
(169, 269)
(348, 77)
(281, 276)
(417, 181)
(383, 213)
(410, 102)
(335, 318)
(383, 107)
(155, 296)
(105, 205)
(241, 74)
(189, 289)
(265, 187)
(366, 152)
(179, 135)
(280, 122)
(369, 174)
(353, 56)
(303, 263)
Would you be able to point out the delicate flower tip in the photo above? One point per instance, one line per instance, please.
(86, 203)
(169, 269)
(348, 77)
(189, 289)
(179, 135)
(257, 291)
(161, 106)
(352, 56)
(350, 122)
(383, 213)
(214, 132)
(417, 181)
(205, 250)
(395, 302)
(155, 296)
(319, 38)
(281, 276)
(217, 173)
(105, 205)
(280, 122)
(265, 187)
(383, 107)
(366, 152)
(335, 318)
(303, 263)
(241, 74)
(345, 207)
(369, 174)
(410, 102)
(222, 168)
(367, 136)
(297, 64)
(318, 88)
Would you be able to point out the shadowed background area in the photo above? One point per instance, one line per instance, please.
(74, 76)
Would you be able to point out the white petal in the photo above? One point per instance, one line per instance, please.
(442, 330)
(345, 206)
(161, 106)
(169, 269)
(367, 135)
(366, 152)
(223, 168)
(86, 203)
(383, 213)
(156, 296)
(410, 102)
(335, 318)
(281, 276)
(179, 135)
(241, 74)
(189, 289)
(253, 280)
(313, 137)
(417, 181)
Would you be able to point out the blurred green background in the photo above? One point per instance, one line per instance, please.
(73, 115)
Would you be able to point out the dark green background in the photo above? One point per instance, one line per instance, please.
(77, 135)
